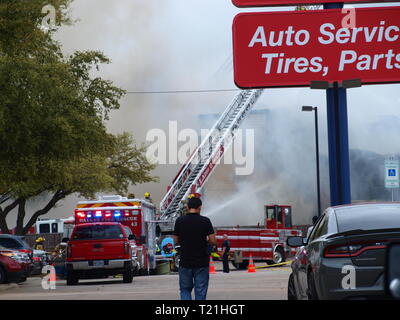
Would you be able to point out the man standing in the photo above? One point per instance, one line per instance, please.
(226, 246)
(193, 233)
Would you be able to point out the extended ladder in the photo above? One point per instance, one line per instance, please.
(206, 157)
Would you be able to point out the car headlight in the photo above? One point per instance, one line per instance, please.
(17, 257)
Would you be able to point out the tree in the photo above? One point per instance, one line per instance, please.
(53, 138)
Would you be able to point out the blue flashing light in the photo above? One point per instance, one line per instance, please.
(117, 214)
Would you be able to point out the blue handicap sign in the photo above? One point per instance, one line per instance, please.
(391, 172)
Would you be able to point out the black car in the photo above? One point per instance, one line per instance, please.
(344, 256)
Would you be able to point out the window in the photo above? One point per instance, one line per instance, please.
(10, 243)
(321, 228)
(270, 213)
(128, 231)
(44, 228)
(288, 218)
(54, 227)
(97, 232)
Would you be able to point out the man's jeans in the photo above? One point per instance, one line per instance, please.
(193, 277)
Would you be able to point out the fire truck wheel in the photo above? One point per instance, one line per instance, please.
(278, 257)
(128, 275)
(72, 280)
(241, 266)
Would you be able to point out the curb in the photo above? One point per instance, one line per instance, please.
(4, 287)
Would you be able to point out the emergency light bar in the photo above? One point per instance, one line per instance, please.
(117, 214)
(106, 214)
(80, 214)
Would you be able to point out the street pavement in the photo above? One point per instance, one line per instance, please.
(264, 284)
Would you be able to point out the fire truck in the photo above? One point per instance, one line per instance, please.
(137, 214)
(263, 243)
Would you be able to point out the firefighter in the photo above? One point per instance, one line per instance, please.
(226, 247)
(147, 197)
(39, 243)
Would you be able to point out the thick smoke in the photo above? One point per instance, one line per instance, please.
(183, 45)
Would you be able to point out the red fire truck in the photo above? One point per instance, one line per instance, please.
(264, 243)
(137, 214)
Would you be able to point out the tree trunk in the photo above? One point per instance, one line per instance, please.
(3, 223)
(4, 212)
(56, 197)
(20, 218)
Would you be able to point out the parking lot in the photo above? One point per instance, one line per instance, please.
(270, 284)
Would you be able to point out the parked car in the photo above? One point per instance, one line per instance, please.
(344, 256)
(14, 265)
(99, 249)
(17, 243)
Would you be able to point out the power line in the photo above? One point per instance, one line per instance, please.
(181, 91)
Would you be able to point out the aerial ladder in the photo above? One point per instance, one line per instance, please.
(197, 170)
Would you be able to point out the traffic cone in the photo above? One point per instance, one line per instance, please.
(251, 268)
(212, 268)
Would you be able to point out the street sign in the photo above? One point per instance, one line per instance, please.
(263, 3)
(293, 48)
(392, 174)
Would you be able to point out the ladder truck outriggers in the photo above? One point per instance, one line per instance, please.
(263, 243)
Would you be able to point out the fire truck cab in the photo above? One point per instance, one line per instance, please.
(278, 217)
(136, 214)
(263, 243)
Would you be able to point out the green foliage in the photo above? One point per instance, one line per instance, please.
(53, 138)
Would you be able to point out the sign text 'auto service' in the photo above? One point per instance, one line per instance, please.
(263, 3)
(273, 49)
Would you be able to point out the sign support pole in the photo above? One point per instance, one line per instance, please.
(338, 141)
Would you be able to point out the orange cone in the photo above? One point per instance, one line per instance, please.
(53, 276)
(251, 267)
(212, 268)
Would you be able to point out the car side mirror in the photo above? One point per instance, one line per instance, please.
(295, 241)
(392, 271)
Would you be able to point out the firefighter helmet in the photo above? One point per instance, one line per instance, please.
(40, 239)
(147, 195)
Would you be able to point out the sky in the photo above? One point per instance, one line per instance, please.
(162, 45)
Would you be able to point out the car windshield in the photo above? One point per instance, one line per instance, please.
(366, 217)
(10, 243)
(98, 232)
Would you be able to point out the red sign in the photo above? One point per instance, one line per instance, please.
(263, 3)
(273, 49)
